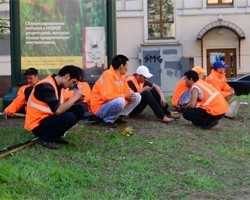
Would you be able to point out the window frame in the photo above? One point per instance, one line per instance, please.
(220, 3)
(161, 24)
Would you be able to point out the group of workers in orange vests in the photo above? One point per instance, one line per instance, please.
(56, 103)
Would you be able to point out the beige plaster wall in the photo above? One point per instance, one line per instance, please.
(129, 39)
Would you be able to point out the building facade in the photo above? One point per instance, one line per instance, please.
(171, 37)
(5, 66)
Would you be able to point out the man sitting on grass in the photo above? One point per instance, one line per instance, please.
(206, 106)
(47, 116)
(111, 96)
(19, 103)
(151, 95)
(217, 78)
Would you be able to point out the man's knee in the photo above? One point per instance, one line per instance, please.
(146, 94)
(120, 102)
(137, 98)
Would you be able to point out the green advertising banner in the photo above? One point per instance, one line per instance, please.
(55, 33)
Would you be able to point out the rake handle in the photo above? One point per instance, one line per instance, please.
(17, 149)
(15, 114)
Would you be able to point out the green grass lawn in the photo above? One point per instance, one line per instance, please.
(161, 161)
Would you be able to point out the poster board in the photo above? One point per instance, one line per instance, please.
(52, 34)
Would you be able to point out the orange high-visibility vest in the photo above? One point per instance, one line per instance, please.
(179, 90)
(108, 87)
(219, 81)
(213, 102)
(18, 102)
(83, 87)
(38, 110)
(138, 86)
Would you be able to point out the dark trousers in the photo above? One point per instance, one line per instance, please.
(152, 99)
(199, 116)
(55, 126)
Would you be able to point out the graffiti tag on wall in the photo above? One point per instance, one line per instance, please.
(152, 59)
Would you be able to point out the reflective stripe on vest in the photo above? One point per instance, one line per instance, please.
(118, 83)
(40, 107)
(211, 93)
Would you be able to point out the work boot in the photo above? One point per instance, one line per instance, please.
(93, 120)
(120, 121)
(49, 145)
(61, 140)
(233, 110)
(210, 124)
(110, 125)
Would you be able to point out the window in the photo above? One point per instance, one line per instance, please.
(219, 2)
(161, 19)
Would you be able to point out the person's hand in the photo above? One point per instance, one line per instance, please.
(130, 96)
(183, 105)
(232, 92)
(163, 102)
(78, 95)
(146, 88)
(5, 114)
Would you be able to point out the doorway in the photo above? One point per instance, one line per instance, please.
(226, 55)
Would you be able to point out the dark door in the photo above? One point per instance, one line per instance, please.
(226, 55)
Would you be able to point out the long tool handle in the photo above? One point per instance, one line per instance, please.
(15, 114)
(17, 149)
(14, 146)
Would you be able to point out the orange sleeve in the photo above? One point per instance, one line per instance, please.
(106, 88)
(127, 89)
(109, 90)
(179, 90)
(222, 87)
(86, 90)
(225, 89)
(67, 94)
(18, 102)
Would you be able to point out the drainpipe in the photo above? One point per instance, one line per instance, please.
(111, 31)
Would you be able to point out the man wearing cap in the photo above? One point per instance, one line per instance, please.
(151, 95)
(19, 103)
(111, 96)
(182, 92)
(218, 79)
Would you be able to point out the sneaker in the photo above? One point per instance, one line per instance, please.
(210, 124)
(166, 119)
(49, 145)
(233, 110)
(120, 121)
(61, 140)
(108, 124)
(93, 120)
